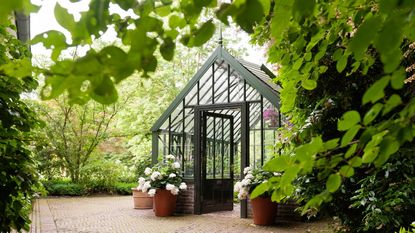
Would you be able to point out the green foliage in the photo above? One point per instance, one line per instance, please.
(124, 188)
(353, 50)
(71, 135)
(386, 197)
(65, 187)
(140, 43)
(18, 176)
(99, 173)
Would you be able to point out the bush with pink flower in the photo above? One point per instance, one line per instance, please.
(166, 175)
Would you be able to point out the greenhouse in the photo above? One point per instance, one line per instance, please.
(225, 119)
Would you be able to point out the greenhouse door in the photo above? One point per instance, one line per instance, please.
(217, 151)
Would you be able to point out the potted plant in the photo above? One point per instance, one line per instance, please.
(263, 209)
(141, 199)
(164, 183)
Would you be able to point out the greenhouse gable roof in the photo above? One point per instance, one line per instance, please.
(258, 76)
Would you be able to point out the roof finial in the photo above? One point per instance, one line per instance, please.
(220, 35)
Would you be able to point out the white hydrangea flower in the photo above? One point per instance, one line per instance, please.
(172, 175)
(146, 186)
(141, 180)
(174, 191)
(176, 165)
(170, 186)
(170, 157)
(247, 170)
(237, 187)
(148, 171)
(139, 187)
(183, 186)
(249, 176)
(152, 192)
(246, 182)
(243, 194)
(155, 175)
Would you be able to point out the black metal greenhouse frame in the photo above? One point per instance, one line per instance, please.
(221, 96)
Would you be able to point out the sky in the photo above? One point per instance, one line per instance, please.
(44, 20)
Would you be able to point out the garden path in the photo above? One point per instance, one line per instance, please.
(116, 214)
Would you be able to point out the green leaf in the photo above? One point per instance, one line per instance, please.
(348, 120)
(302, 8)
(347, 171)
(116, 63)
(388, 147)
(309, 84)
(331, 144)
(388, 42)
(249, 14)
(349, 135)
(149, 63)
(391, 103)
(203, 34)
(333, 182)
(54, 40)
(397, 79)
(18, 68)
(372, 113)
(104, 92)
(163, 10)
(176, 21)
(370, 154)
(126, 4)
(266, 5)
(65, 19)
(342, 63)
(376, 91)
(350, 151)
(364, 36)
(355, 161)
(281, 19)
(259, 190)
(277, 164)
(167, 49)
(338, 54)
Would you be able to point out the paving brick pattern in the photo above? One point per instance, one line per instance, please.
(116, 214)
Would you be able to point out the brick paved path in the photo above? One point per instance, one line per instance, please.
(116, 214)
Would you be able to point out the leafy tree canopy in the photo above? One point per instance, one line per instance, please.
(304, 37)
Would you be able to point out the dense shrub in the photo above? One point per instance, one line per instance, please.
(124, 188)
(65, 187)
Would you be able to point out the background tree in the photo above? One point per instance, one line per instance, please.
(75, 131)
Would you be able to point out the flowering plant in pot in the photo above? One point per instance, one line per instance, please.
(141, 199)
(164, 181)
(263, 209)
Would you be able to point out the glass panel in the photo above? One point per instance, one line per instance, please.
(221, 83)
(189, 143)
(255, 135)
(205, 91)
(271, 124)
(252, 94)
(218, 148)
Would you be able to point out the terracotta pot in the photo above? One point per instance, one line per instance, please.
(264, 210)
(141, 200)
(164, 203)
